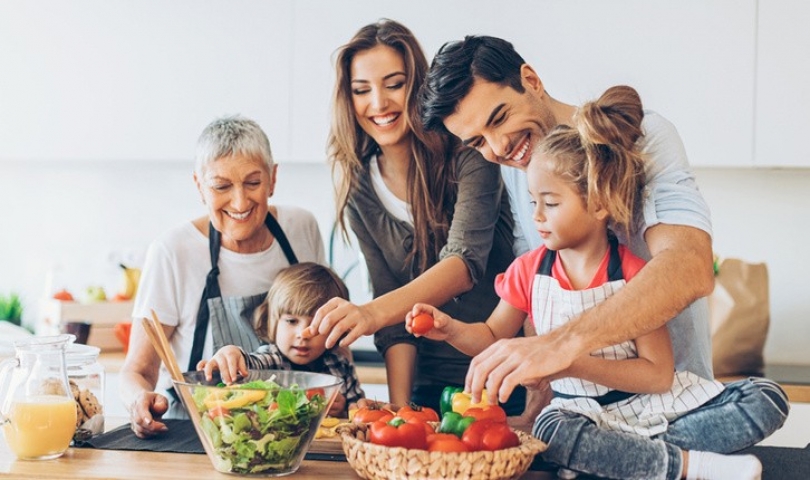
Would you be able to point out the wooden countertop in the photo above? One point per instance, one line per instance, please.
(90, 463)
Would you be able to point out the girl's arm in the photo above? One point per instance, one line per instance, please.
(471, 338)
(652, 372)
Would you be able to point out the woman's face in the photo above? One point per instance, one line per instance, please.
(379, 89)
(297, 349)
(235, 189)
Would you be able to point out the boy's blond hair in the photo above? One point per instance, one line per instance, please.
(297, 290)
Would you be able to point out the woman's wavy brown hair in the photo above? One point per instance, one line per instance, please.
(431, 177)
(599, 154)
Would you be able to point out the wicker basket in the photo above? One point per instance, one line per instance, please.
(372, 461)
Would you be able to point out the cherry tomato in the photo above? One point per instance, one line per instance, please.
(218, 411)
(315, 391)
(398, 433)
(492, 412)
(446, 442)
(425, 414)
(372, 413)
(422, 323)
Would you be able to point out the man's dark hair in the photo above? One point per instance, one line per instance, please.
(457, 65)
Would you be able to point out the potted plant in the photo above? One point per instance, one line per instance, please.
(11, 308)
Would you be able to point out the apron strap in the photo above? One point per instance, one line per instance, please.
(212, 282)
(211, 291)
(615, 262)
(275, 229)
(614, 269)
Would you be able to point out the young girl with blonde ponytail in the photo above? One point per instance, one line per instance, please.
(622, 411)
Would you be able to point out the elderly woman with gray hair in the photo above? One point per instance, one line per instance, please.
(204, 278)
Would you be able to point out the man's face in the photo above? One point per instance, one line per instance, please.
(502, 123)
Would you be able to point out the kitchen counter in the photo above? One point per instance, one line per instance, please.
(90, 463)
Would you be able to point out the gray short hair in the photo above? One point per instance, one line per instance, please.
(231, 135)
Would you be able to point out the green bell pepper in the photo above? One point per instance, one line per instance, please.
(446, 400)
(455, 423)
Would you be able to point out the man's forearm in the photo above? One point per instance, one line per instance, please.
(679, 273)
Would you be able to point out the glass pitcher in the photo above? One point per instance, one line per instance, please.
(37, 409)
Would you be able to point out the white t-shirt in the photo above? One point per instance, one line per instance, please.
(178, 262)
(396, 207)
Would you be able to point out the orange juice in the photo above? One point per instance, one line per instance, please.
(40, 426)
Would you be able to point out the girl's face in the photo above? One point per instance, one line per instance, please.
(560, 214)
(379, 85)
(235, 189)
(297, 349)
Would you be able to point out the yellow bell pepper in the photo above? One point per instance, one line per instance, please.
(238, 398)
(462, 401)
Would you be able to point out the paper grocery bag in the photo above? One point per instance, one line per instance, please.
(740, 315)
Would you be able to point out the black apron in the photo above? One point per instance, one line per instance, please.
(231, 318)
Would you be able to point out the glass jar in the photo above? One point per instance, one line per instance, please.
(86, 378)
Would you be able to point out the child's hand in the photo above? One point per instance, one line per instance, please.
(229, 361)
(441, 322)
(338, 406)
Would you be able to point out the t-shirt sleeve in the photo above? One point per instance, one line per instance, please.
(671, 195)
(158, 289)
(515, 285)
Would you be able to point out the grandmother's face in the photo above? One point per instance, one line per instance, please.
(235, 189)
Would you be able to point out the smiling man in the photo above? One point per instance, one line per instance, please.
(481, 90)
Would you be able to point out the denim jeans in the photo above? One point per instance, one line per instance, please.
(742, 415)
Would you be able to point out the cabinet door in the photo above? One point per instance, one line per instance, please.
(692, 61)
(783, 84)
(100, 80)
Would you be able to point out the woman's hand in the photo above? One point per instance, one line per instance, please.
(441, 322)
(342, 322)
(145, 413)
(229, 361)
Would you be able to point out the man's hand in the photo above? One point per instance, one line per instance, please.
(507, 363)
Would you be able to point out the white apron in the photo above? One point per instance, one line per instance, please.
(642, 414)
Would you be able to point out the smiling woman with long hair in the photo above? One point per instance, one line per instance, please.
(431, 218)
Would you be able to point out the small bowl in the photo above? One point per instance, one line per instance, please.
(258, 431)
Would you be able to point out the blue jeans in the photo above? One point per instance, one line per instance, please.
(742, 415)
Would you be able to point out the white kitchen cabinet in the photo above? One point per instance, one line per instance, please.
(138, 80)
(100, 80)
(783, 76)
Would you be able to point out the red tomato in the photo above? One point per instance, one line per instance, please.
(413, 411)
(422, 323)
(218, 411)
(398, 433)
(445, 442)
(492, 412)
(372, 413)
(488, 435)
(315, 391)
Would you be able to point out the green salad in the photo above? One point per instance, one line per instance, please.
(258, 426)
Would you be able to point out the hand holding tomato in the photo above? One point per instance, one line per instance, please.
(426, 321)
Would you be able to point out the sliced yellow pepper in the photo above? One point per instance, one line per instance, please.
(461, 401)
(239, 398)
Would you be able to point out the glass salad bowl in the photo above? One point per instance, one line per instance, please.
(262, 425)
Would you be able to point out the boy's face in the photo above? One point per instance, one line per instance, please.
(502, 123)
(297, 349)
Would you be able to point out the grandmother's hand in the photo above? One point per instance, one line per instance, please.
(342, 322)
(145, 413)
